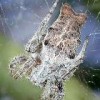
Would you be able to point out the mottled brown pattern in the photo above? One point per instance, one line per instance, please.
(64, 33)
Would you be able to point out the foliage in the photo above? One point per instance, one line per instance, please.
(93, 5)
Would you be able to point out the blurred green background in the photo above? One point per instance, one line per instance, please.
(84, 85)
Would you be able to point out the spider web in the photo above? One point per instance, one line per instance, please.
(89, 72)
(19, 19)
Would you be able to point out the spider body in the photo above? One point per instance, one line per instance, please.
(52, 54)
(64, 34)
(60, 41)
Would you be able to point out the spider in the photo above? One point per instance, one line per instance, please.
(52, 52)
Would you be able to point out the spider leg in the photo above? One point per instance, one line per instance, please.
(40, 34)
(22, 70)
(16, 63)
(27, 67)
(44, 24)
(72, 65)
(81, 55)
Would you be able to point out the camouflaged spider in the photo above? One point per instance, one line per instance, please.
(52, 54)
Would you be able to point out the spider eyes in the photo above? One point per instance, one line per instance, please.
(79, 41)
(72, 34)
(71, 55)
(46, 42)
(51, 28)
